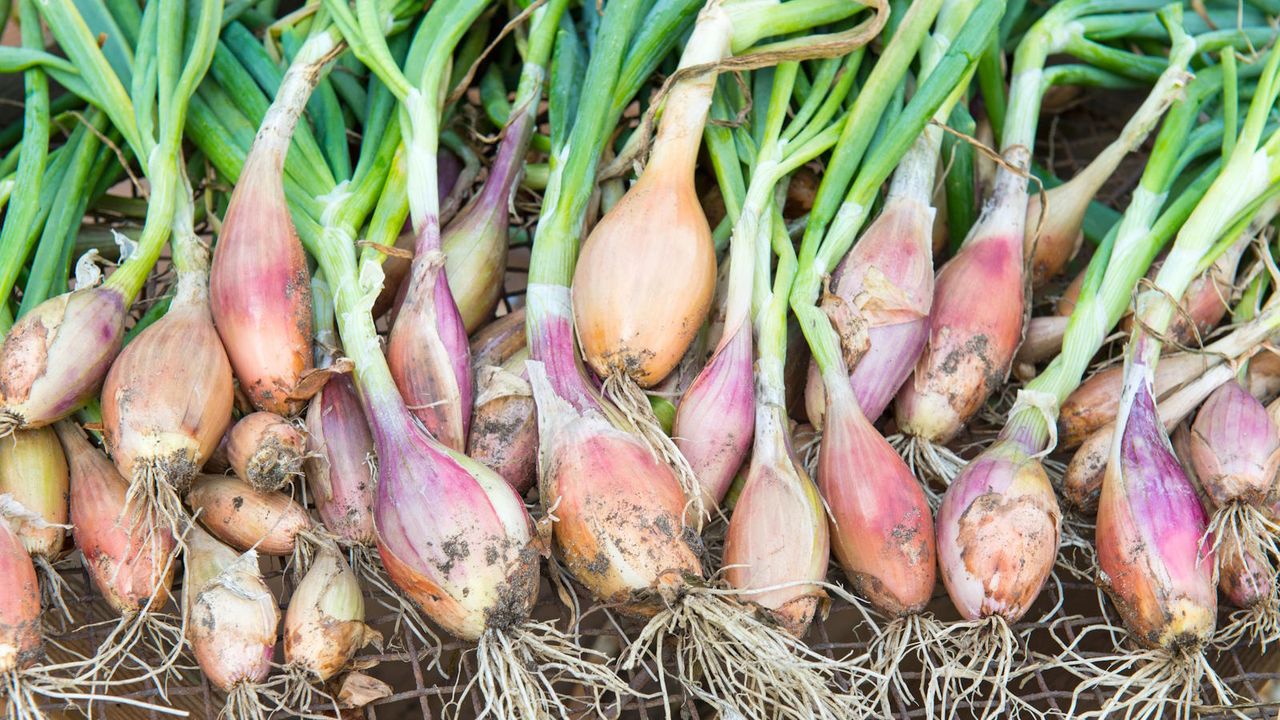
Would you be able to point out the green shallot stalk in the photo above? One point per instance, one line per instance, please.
(1152, 534)
(47, 369)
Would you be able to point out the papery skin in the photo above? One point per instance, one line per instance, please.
(21, 641)
(1095, 402)
(55, 357)
(778, 532)
(998, 532)
(324, 625)
(504, 429)
(975, 326)
(715, 420)
(429, 354)
(642, 291)
(892, 263)
(246, 518)
(453, 535)
(881, 525)
(498, 341)
(339, 449)
(1150, 536)
(129, 562)
(260, 289)
(265, 450)
(33, 471)
(231, 614)
(1235, 447)
(168, 396)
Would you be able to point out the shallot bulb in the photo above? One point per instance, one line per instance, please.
(34, 474)
(339, 462)
(504, 431)
(21, 642)
(265, 450)
(246, 518)
(55, 357)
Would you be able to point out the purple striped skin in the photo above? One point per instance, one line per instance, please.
(56, 357)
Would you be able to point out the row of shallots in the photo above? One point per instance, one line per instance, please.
(783, 258)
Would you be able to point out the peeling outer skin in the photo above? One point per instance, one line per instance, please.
(339, 448)
(244, 518)
(125, 567)
(618, 514)
(429, 355)
(888, 275)
(324, 625)
(55, 357)
(1235, 448)
(504, 427)
(168, 395)
(998, 531)
(452, 534)
(21, 642)
(972, 338)
(881, 525)
(498, 341)
(1150, 529)
(1094, 404)
(715, 421)
(640, 292)
(232, 636)
(778, 495)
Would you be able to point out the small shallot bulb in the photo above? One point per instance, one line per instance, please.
(778, 494)
(1095, 402)
(33, 473)
(881, 526)
(1235, 447)
(1150, 537)
(167, 400)
(716, 418)
(246, 518)
(55, 357)
(324, 625)
(499, 341)
(129, 559)
(998, 531)
(21, 641)
(1082, 481)
(1054, 222)
(259, 285)
(619, 509)
(265, 450)
(429, 355)
(453, 535)
(231, 614)
(975, 326)
(642, 289)
(888, 276)
(504, 429)
(1244, 579)
(339, 462)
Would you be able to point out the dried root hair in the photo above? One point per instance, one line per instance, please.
(744, 666)
(1145, 684)
(155, 496)
(1077, 555)
(517, 669)
(295, 691)
(637, 414)
(917, 636)
(408, 619)
(25, 695)
(983, 652)
(933, 464)
(244, 702)
(1258, 624)
(53, 591)
(1251, 532)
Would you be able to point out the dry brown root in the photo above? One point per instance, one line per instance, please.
(915, 636)
(984, 652)
(155, 501)
(1257, 625)
(636, 412)
(1076, 553)
(409, 620)
(744, 667)
(53, 591)
(135, 637)
(244, 702)
(517, 669)
(1251, 532)
(935, 466)
(1145, 684)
